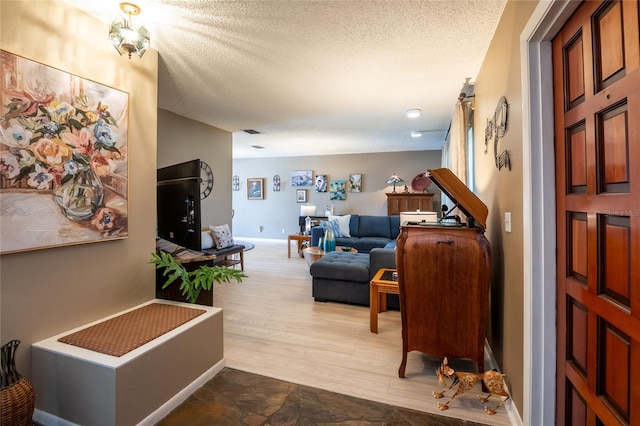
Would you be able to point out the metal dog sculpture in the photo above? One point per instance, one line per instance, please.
(492, 380)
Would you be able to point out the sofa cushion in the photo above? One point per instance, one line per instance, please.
(333, 226)
(342, 266)
(206, 239)
(221, 236)
(347, 242)
(354, 224)
(365, 244)
(394, 222)
(374, 226)
(343, 224)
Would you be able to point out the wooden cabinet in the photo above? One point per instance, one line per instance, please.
(443, 276)
(409, 202)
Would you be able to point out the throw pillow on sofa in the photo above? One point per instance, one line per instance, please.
(343, 224)
(221, 236)
(207, 240)
(333, 226)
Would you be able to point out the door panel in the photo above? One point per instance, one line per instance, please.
(596, 57)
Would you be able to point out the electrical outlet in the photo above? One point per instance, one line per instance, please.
(260, 228)
(284, 231)
(507, 221)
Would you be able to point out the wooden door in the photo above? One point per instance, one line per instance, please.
(597, 137)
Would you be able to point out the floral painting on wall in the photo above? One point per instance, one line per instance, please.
(63, 158)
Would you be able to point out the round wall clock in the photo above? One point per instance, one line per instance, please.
(206, 176)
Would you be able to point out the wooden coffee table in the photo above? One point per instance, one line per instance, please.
(381, 285)
(312, 254)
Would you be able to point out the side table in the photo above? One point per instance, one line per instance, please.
(381, 285)
(299, 239)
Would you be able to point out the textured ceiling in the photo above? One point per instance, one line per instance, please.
(316, 77)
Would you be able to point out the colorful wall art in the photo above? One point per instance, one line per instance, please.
(337, 190)
(63, 158)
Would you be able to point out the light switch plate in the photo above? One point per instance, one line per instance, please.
(507, 221)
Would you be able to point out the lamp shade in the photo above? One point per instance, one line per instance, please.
(307, 210)
(394, 179)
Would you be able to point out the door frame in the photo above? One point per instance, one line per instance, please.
(538, 188)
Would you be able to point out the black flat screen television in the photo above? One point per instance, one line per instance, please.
(178, 204)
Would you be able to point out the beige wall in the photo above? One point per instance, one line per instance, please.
(279, 210)
(182, 139)
(46, 292)
(502, 190)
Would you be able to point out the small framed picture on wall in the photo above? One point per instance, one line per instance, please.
(301, 195)
(255, 188)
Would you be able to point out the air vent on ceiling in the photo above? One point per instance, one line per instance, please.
(251, 131)
(257, 146)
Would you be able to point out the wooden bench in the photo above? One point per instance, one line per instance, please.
(227, 256)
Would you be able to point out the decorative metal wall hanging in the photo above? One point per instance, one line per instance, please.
(502, 159)
(488, 134)
(235, 183)
(276, 183)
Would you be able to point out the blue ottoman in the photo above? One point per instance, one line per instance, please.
(341, 277)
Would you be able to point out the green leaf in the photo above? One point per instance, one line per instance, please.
(192, 283)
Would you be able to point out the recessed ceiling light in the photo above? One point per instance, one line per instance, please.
(416, 134)
(413, 113)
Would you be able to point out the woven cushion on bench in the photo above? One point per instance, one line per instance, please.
(342, 266)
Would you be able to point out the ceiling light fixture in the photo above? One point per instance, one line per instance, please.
(414, 113)
(124, 36)
(416, 134)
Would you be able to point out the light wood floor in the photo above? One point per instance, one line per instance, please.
(273, 327)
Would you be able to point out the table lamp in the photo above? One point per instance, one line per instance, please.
(393, 180)
(307, 210)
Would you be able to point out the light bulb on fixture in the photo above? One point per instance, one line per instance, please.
(416, 134)
(124, 36)
(414, 113)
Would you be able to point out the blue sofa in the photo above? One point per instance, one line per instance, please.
(367, 232)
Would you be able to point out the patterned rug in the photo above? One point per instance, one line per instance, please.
(235, 397)
(247, 245)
